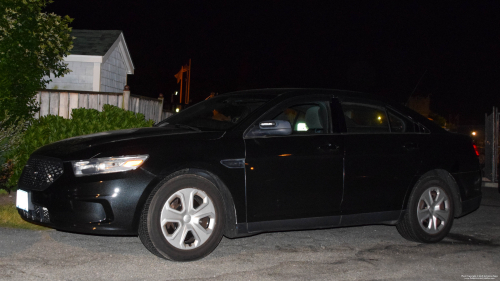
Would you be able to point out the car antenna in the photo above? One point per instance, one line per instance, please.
(406, 104)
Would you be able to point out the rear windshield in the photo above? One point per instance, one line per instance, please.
(220, 113)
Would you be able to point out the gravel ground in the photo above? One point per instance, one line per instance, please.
(472, 250)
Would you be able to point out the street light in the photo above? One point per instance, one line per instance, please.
(172, 96)
(474, 133)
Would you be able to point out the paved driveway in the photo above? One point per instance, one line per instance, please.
(472, 250)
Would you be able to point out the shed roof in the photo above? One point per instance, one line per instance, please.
(93, 42)
(98, 45)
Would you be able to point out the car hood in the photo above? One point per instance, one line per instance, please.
(96, 143)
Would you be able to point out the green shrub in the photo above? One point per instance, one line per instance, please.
(11, 133)
(51, 128)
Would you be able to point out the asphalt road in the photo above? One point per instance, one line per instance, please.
(470, 252)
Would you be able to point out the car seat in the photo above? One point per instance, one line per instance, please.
(314, 119)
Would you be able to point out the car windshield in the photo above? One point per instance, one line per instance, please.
(220, 113)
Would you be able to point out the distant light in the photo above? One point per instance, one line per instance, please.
(284, 155)
(474, 133)
(379, 118)
(177, 110)
(176, 93)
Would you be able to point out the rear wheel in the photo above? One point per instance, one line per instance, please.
(429, 215)
(183, 218)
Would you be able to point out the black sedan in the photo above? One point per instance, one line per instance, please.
(254, 161)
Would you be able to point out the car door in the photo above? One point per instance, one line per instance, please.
(381, 158)
(296, 176)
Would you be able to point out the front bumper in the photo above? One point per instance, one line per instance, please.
(107, 204)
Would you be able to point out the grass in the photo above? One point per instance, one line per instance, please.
(9, 217)
(3, 192)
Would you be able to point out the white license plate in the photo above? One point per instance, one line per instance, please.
(22, 200)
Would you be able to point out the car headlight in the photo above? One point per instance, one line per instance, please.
(107, 165)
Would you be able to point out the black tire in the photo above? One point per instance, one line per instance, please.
(181, 237)
(414, 226)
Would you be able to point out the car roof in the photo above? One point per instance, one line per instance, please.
(301, 91)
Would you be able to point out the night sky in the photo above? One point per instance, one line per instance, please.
(378, 47)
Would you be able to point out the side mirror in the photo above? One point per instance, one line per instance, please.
(275, 128)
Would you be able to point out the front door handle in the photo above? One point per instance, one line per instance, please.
(328, 147)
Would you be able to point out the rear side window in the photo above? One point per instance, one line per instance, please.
(363, 118)
(399, 123)
(419, 128)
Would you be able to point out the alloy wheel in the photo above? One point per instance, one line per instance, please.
(188, 218)
(433, 210)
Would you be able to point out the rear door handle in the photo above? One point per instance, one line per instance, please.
(328, 147)
(410, 146)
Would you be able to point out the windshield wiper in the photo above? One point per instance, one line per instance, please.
(161, 123)
(187, 127)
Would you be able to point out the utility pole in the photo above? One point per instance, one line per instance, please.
(180, 78)
(406, 104)
(180, 92)
(188, 88)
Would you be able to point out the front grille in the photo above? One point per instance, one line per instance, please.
(40, 172)
(38, 214)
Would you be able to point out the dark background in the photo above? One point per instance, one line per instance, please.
(377, 46)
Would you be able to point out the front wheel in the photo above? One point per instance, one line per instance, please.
(429, 215)
(183, 219)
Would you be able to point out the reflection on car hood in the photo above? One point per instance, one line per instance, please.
(68, 146)
(119, 135)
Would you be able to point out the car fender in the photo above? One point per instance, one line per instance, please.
(202, 170)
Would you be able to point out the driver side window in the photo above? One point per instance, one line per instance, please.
(306, 118)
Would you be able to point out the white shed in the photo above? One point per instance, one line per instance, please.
(99, 61)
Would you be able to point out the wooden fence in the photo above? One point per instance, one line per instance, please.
(62, 103)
